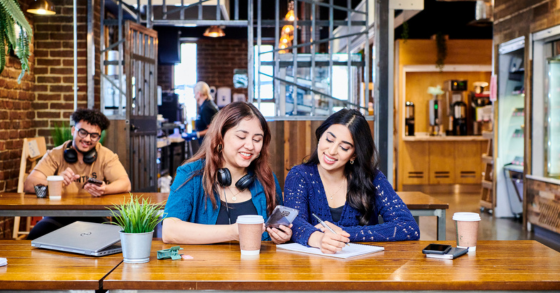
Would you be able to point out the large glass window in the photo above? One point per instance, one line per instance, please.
(185, 78)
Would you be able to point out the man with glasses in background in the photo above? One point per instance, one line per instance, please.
(85, 166)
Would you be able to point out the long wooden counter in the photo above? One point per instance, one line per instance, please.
(496, 265)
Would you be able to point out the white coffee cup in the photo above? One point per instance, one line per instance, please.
(55, 187)
(467, 229)
(250, 233)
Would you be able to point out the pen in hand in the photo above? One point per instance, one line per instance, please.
(325, 225)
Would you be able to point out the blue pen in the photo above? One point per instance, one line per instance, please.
(325, 225)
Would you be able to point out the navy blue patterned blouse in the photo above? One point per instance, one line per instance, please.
(304, 191)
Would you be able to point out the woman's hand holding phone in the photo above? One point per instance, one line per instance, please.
(281, 234)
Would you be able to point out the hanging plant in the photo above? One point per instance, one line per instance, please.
(441, 43)
(404, 34)
(15, 31)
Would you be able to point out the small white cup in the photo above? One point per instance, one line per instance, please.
(55, 187)
(250, 234)
(467, 229)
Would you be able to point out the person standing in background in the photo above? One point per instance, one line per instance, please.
(206, 111)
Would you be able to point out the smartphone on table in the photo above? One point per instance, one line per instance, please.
(436, 249)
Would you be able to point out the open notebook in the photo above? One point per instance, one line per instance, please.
(348, 251)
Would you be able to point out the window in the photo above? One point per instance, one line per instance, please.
(185, 78)
(266, 90)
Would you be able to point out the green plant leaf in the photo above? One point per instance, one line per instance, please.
(135, 216)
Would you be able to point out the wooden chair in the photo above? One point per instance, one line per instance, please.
(33, 149)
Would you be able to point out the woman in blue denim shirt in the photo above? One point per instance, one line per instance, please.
(202, 211)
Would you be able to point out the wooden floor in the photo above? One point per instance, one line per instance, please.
(491, 228)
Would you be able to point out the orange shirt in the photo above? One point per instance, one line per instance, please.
(106, 168)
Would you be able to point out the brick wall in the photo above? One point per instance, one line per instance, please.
(16, 116)
(516, 18)
(165, 77)
(217, 58)
(54, 66)
(16, 122)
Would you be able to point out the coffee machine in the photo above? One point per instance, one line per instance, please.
(459, 118)
(455, 106)
(435, 116)
(409, 118)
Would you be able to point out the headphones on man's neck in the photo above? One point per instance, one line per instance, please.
(71, 155)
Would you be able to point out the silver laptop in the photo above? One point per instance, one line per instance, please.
(82, 237)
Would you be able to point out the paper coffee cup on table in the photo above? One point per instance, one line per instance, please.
(55, 187)
(467, 229)
(250, 233)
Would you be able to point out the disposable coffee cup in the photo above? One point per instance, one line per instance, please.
(250, 233)
(467, 229)
(55, 187)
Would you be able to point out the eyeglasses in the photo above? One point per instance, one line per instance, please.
(84, 133)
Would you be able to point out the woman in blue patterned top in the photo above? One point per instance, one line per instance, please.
(202, 211)
(341, 184)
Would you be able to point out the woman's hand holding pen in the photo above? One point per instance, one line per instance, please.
(327, 241)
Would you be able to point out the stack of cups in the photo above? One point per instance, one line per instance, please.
(55, 187)
(250, 233)
(467, 229)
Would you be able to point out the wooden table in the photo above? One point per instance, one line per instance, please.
(31, 268)
(495, 265)
(84, 205)
(75, 205)
(421, 204)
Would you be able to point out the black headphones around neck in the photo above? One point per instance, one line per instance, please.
(71, 155)
(224, 179)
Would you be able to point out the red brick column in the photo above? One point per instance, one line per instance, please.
(54, 65)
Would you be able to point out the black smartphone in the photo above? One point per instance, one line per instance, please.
(93, 181)
(436, 249)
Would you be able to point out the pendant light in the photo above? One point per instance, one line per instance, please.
(214, 32)
(41, 7)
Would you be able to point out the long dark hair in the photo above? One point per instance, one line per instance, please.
(361, 191)
(227, 118)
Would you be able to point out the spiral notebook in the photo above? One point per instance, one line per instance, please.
(348, 251)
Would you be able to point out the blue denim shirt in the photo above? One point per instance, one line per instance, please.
(188, 203)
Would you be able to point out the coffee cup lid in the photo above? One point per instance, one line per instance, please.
(55, 178)
(250, 219)
(469, 217)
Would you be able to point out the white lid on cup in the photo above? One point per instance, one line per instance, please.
(55, 178)
(250, 219)
(466, 217)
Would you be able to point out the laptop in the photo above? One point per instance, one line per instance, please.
(83, 238)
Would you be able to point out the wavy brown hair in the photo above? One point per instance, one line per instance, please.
(226, 119)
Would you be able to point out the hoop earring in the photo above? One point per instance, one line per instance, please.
(219, 148)
(351, 162)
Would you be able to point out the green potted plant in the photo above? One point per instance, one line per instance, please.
(137, 221)
(16, 32)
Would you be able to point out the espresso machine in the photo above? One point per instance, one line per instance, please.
(409, 118)
(455, 107)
